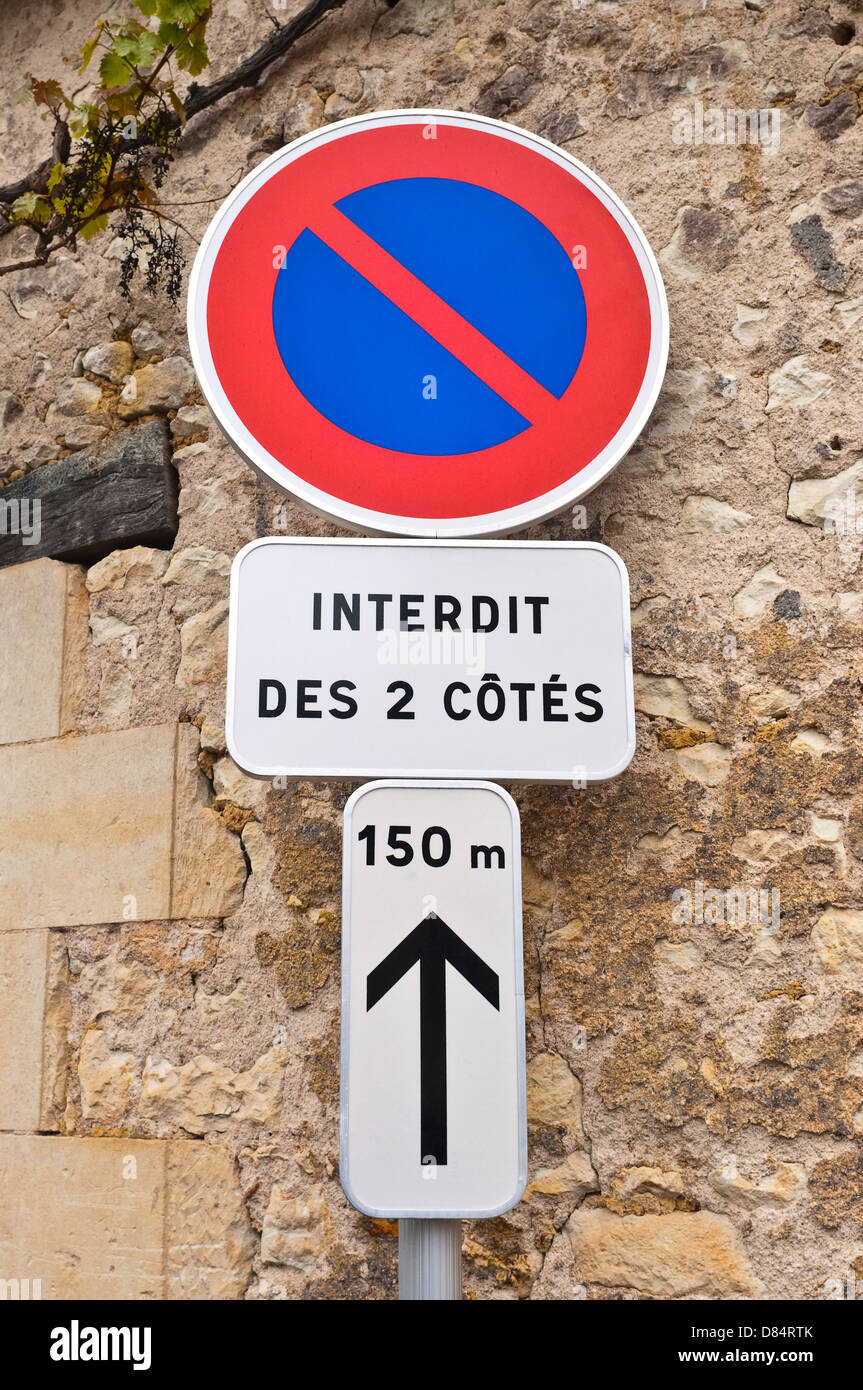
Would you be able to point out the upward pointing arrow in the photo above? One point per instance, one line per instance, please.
(432, 943)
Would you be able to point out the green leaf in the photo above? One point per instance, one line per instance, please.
(30, 207)
(114, 71)
(171, 33)
(141, 48)
(192, 55)
(127, 46)
(24, 206)
(56, 175)
(94, 226)
(82, 120)
(150, 46)
(178, 11)
(87, 51)
(147, 7)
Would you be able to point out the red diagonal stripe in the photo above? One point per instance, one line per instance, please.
(476, 352)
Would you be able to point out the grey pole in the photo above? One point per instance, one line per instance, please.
(429, 1259)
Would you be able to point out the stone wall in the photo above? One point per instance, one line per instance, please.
(169, 928)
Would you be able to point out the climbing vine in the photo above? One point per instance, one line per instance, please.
(115, 138)
(114, 146)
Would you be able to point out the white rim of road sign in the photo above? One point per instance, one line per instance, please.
(344, 1073)
(357, 518)
(449, 775)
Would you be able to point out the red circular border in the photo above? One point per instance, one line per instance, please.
(543, 457)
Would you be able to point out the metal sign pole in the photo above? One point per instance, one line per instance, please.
(429, 1259)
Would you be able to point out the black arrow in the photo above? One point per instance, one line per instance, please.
(432, 943)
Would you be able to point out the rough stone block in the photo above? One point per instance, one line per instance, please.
(209, 865)
(678, 1255)
(208, 1240)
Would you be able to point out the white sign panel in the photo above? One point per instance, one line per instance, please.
(433, 1118)
(365, 658)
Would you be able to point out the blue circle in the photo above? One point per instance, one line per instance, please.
(365, 365)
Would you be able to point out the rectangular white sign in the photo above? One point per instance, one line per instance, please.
(433, 1114)
(365, 658)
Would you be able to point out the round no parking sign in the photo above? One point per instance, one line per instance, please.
(428, 323)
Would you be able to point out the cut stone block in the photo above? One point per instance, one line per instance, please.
(85, 1216)
(23, 957)
(113, 827)
(122, 1218)
(43, 635)
(88, 829)
(34, 1017)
